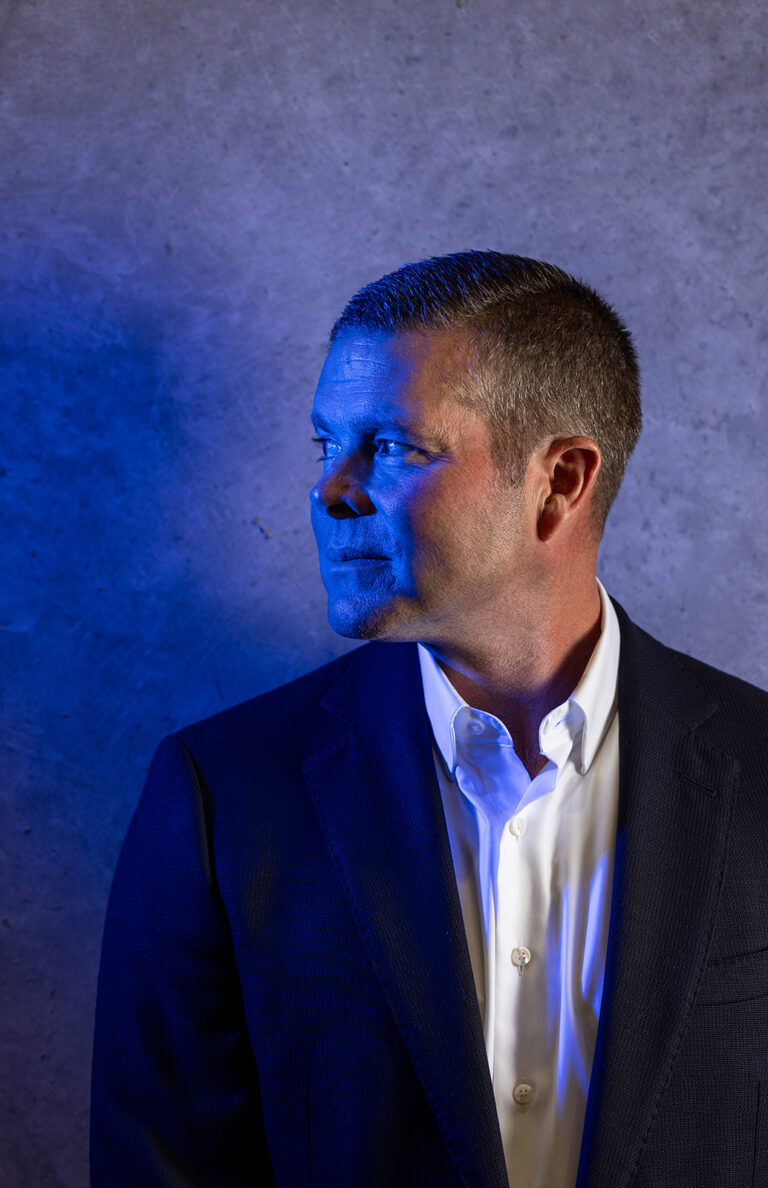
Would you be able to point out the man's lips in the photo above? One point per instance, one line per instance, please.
(336, 554)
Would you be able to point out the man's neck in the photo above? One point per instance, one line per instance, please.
(520, 676)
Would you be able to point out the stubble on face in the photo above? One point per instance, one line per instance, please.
(448, 520)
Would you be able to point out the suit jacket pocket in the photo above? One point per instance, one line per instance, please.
(734, 979)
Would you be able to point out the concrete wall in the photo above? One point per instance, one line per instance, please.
(189, 194)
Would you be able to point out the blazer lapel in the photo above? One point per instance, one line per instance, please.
(674, 805)
(379, 806)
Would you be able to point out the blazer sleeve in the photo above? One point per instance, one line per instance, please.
(175, 1093)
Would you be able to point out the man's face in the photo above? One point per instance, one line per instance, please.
(418, 533)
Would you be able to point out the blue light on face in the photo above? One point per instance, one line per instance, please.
(374, 474)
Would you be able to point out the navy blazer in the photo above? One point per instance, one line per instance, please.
(285, 994)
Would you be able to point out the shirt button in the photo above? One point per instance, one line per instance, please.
(475, 727)
(521, 956)
(517, 827)
(524, 1093)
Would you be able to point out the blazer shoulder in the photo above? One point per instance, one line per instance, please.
(729, 689)
(290, 718)
(685, 684)
(269, 713)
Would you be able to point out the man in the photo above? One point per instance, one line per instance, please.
(483, 902)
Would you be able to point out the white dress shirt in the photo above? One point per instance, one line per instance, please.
(534, 865)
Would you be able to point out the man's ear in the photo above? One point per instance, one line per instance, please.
(569, 467)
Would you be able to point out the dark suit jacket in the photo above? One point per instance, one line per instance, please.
(285, 993)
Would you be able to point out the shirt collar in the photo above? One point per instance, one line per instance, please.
(587, 714)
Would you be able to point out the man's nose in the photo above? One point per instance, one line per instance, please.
(342, 492)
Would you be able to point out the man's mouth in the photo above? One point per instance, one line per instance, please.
(335, 555)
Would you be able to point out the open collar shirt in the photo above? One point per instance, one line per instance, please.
(534, 863)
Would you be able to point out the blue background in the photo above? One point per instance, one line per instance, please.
(190, 192)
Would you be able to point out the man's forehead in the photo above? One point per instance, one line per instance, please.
(369, 354)
(398, 357)
(409, 379)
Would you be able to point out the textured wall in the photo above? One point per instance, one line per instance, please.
(190, 192)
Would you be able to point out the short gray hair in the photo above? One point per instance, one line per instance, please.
(553, 358)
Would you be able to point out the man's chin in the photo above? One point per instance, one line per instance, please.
(355, 620)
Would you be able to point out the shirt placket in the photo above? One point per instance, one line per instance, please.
(514, 874)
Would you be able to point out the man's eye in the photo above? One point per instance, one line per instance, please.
(329, 447)
(393, 449)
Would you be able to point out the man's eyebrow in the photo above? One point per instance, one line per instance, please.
(319, 423)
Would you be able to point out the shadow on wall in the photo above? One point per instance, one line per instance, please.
(112, 628)
(112, 636)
